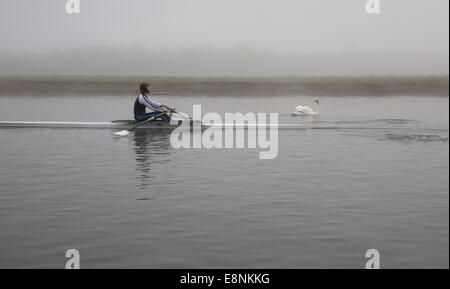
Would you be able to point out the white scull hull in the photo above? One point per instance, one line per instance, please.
(126, 124)
(119, 124)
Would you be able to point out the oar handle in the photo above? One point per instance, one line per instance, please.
(147, 120)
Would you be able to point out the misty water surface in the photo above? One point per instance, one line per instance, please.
(370, 172)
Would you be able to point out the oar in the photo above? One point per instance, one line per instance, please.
(127, 131)
(182, 116)
(173, 111)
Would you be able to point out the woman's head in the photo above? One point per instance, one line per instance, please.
(144, 87)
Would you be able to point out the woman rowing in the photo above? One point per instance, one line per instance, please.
(143, 101)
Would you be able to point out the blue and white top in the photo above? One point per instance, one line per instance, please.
(144, 101)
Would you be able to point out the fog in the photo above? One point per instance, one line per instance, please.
(224, 37)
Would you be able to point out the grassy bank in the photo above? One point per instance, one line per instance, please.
(213, 86)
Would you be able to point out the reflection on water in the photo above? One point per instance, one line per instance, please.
(151, 148)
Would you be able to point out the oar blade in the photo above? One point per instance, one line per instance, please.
(126, 132)
(122, 133)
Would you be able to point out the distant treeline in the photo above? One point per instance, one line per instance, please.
(205, 62)
(215, 86)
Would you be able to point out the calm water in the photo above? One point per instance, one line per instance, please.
(368, 173)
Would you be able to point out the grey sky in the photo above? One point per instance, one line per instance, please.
(281, 25)
(227, 37)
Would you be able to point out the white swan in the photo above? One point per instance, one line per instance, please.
(305, 110)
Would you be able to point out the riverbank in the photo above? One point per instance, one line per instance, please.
(215, 86)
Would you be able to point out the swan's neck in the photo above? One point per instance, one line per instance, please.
(315, 107)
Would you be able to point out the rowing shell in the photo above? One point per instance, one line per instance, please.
(117, 124)
(126, 124)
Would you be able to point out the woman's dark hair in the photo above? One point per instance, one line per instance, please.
(144, 87)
